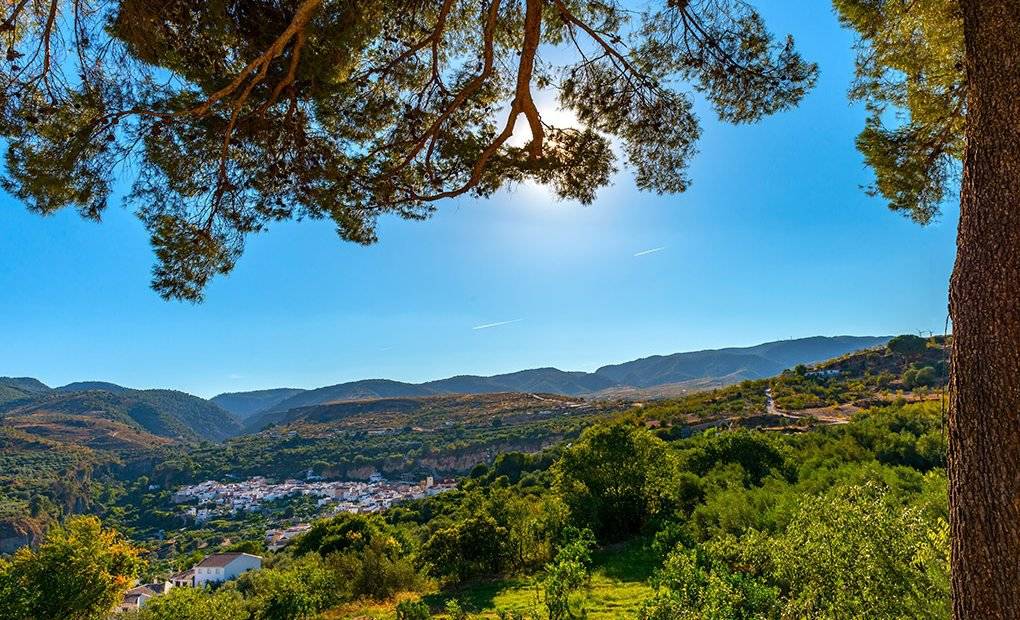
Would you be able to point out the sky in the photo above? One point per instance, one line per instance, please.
(775, 239)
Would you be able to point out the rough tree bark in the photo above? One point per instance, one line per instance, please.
(984, 300)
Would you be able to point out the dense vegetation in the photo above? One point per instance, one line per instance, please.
(163, 413)
(842, 521)
(907, 366)
(81, 446)
(716, 505)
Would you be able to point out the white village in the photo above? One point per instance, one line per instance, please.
(211, 498)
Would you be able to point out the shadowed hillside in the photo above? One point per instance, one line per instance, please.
(13, 388)
(246, 404)
(165, 413)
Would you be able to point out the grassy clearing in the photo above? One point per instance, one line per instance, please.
(619, 585)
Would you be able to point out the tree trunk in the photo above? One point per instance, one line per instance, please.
(984, 300)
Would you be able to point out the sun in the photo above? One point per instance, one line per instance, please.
(552, 114)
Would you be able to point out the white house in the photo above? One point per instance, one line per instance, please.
(826, 373)
(224, 566)
(136, 597)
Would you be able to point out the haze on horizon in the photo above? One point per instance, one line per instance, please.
(774, 240)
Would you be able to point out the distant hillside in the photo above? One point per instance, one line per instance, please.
(177, 415)
(25, 384)
(735, 364)
(85, 386)
(163, 413)
(674, 373)
(403, 436)
(908, 367)
(550, 380)
(14, 388)
(430, 412)
(369, 389)
(246, 404)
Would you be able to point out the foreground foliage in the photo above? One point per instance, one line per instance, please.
(235, 115)
(843, 521)
(78, 573)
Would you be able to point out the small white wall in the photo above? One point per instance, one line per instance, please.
(242, 564)
(205, 575)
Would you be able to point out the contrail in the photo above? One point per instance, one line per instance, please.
(489, 325)
(651, 251)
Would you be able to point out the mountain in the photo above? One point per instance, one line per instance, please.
(546, 380)
(15, 388)
(682, 371)
(735, 363)
(25, 384)
(549, 380)
(246, 404)
(176, 415)
(163, 413)
(368, 389)
(433, 412)
(85, 386)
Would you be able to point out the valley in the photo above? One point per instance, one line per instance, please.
(421, 467)
(82, 447)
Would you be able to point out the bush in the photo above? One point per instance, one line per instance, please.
(377, 571)
(691, 587)
(757, 453)
(413, 610)
(341, 533)
(853, 553)
(476, 546)
(907, 345)
(568, 573)
(79, 571)
(614, 480)
(294, 592)
(194, 604)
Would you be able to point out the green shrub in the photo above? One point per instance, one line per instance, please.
(413, 610)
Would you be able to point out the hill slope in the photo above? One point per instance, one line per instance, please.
(550, 380)
(735, 363)
(712, 367)
(14, 388)
(85, 386)
(246, 404)
(163, 413)
(369, 389)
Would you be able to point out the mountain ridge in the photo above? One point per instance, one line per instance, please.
(183, 416)
(245, 404)
(724, 366)
(169, 414)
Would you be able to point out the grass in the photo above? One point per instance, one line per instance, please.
(619, 586)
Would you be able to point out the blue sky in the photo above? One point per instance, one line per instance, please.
(774, 240)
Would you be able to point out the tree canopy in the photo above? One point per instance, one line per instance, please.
(79, 572)
(910, 75)
(231, 114)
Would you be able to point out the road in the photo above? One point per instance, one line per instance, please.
(772, 409)
(819, 416)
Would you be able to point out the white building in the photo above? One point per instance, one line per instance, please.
(826, 373)
(224, 566)
(136, 597)
(278, 539)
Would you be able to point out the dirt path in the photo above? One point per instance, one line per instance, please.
(824, 416)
